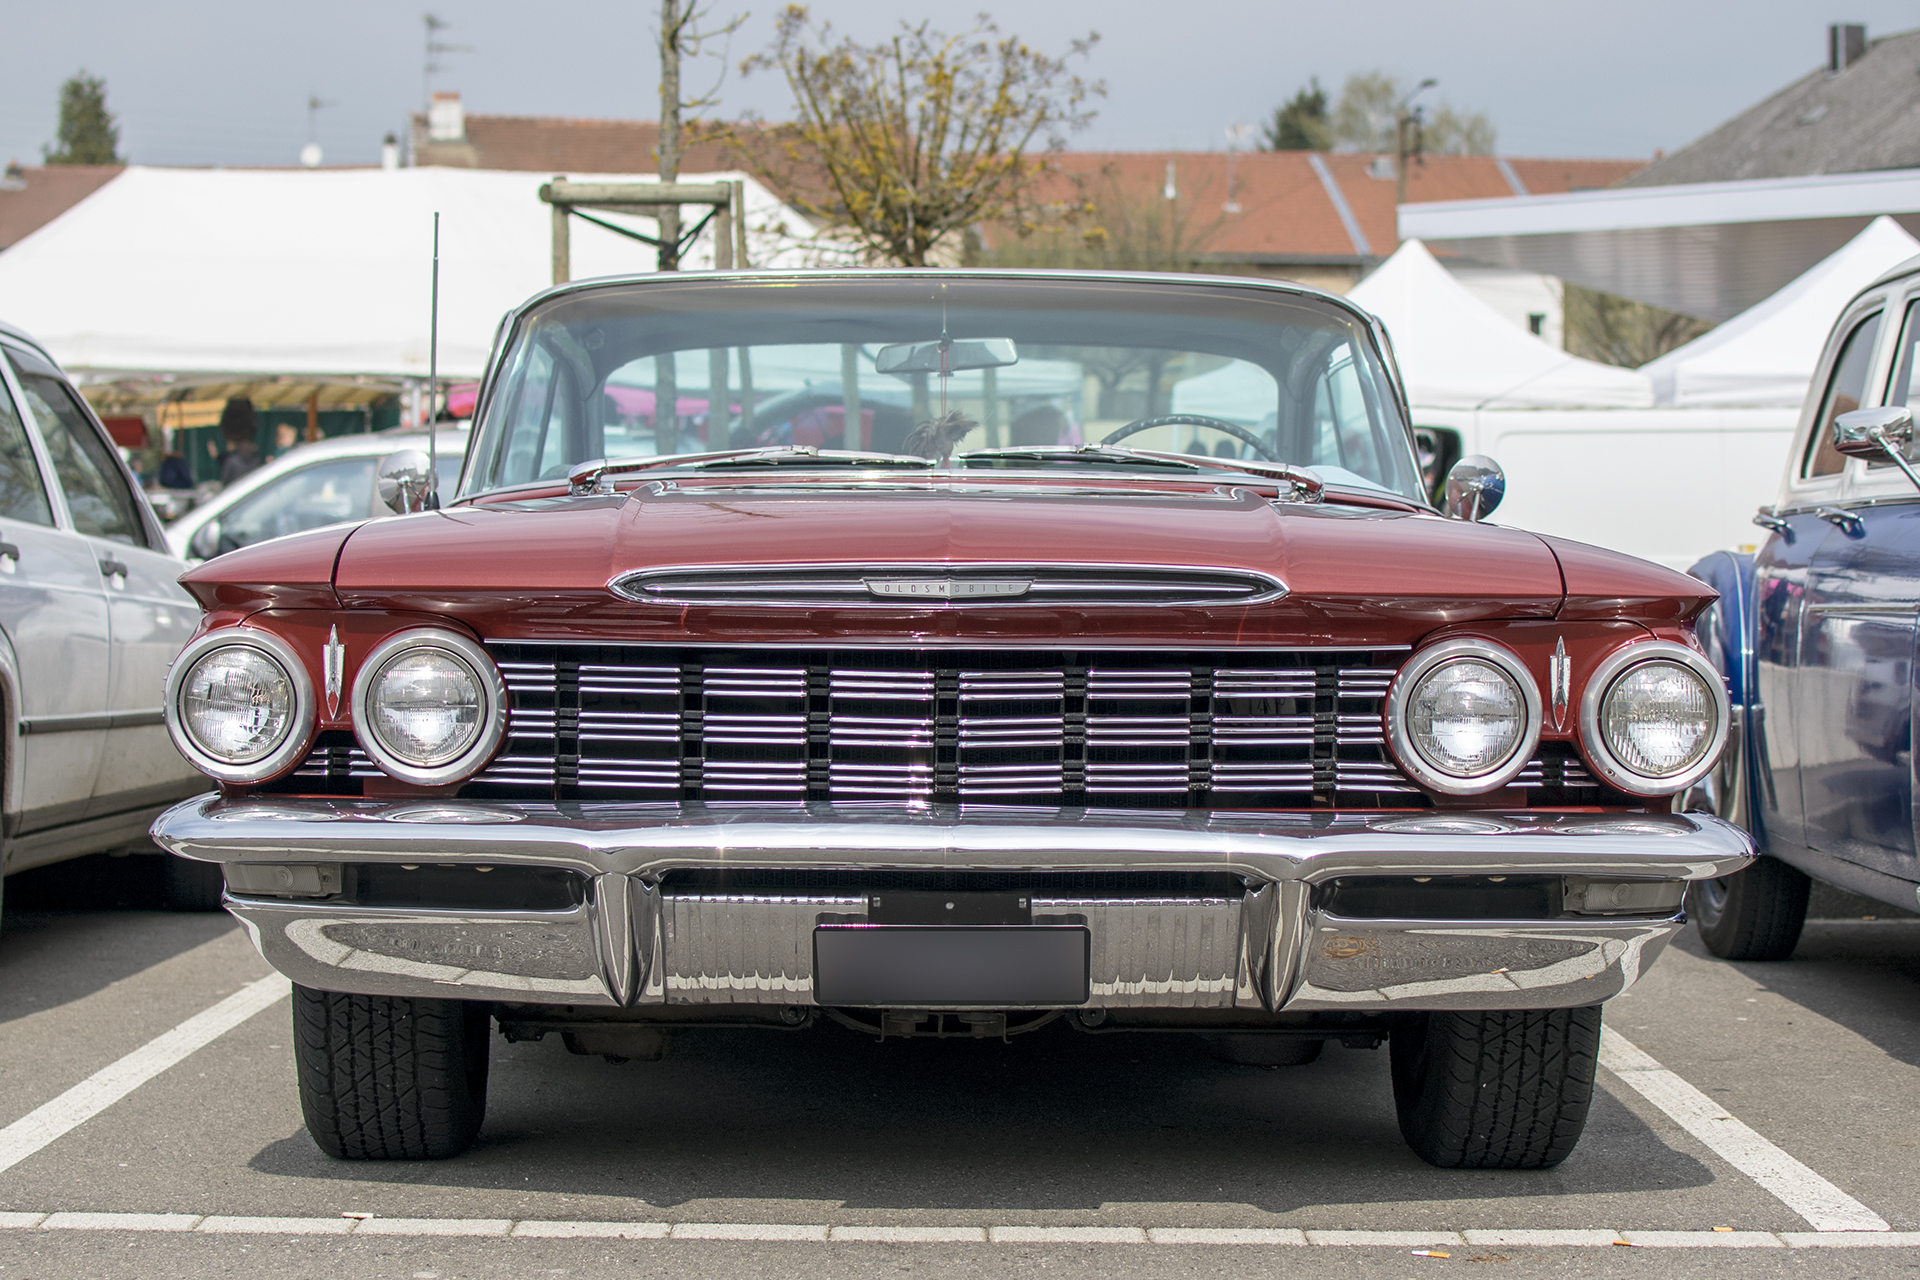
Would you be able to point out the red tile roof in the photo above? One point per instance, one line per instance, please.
(49, 192)
(1286, 211)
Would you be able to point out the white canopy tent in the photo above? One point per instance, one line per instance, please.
(1456, 352)
(326, 272)
(1766, 354)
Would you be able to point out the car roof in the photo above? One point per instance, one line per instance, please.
(378, 443)
(1907, 268)
(25, 339)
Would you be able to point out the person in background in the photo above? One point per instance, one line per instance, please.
(285, 437)
(240, 430)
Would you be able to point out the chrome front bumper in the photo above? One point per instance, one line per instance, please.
(633, 942)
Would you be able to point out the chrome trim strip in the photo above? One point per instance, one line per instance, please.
(893, 584)
(300, 725)
(85, 720)
(1866, 610)
(486, 674)
(1593, 743)
(1400, 741)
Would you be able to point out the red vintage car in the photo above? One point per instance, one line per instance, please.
(1214, 723)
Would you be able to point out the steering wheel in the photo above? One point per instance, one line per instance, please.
(1138, 425)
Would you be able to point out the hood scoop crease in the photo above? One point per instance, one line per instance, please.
(843, 585)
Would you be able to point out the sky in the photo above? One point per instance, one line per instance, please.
(197, 82)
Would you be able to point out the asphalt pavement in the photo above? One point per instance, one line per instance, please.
(149, 1126)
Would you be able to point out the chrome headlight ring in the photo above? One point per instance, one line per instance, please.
(1399, 735)
(1593, 739)
(493, 692)
(291, 748)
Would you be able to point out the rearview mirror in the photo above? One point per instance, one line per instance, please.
(406, 482)
(1475, 485)
(924, 357)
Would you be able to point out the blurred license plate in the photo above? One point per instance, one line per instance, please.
(950, 966)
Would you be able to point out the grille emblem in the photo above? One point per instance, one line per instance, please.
(947, 588)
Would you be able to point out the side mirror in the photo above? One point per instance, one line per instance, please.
(1475, 485)
(1882, 432)
(205, 542)
(406, 482)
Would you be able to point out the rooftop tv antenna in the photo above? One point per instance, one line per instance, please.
(433, 377)
(435, 25)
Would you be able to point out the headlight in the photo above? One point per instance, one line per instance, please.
(239, 705)
(1463, 717)
(1654, 718)
(429, 707)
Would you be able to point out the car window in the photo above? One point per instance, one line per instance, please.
(1900, 389)
(309, 498)
(1845, 387)
(97, 493)
(22, 496)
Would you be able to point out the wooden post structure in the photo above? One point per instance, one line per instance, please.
(726, 199)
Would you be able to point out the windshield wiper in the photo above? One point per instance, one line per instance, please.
(591, 477)
(1088, 453)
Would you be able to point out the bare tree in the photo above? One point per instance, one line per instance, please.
(1366, 118)
(681, 36)
(922, 135)
(1616, 330)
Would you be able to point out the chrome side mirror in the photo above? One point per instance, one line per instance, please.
(406, 482)
(205, 542)
(1475, 485)
(1883, 432)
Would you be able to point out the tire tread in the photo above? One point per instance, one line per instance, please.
(387, 1078)
(1507, 1089)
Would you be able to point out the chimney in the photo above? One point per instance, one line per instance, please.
(1846, 45)
(390, 153)
(446, 119)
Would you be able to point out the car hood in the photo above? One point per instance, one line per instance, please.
(1351, 573)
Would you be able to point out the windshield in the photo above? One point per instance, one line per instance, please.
(938, 367)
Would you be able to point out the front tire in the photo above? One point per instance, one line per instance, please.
(1755, 914)
(386, 1078)
(1506, 1089)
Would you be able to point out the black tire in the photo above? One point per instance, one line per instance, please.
(385, 1078)
(1755, 914)
(193, 885)
(1253, 1049)
(1500, 1090)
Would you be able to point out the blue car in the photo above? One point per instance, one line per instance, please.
(1815, 634)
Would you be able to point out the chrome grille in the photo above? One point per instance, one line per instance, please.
(1299, 729)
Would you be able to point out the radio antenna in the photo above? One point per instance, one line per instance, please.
(433, 377)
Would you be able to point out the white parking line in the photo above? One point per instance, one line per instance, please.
(821, 1233)
(1824, 1206)
(111, 1083)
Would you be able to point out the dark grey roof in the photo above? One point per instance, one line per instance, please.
(1867, 117)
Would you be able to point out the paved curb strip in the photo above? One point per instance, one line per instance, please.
(115, 1081)
(1824, 1206)
(816, 1233)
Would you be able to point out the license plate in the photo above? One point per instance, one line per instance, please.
(951, 967)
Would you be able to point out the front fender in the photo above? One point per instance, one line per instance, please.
(1726, 631)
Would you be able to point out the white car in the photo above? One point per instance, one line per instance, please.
(315, 485)
(91, 617)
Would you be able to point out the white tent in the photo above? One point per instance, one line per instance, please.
(315, 272)
(1766, 354)
(1456, 352)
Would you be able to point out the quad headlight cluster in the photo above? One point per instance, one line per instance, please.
(1654, 718)
(429, 706)
(239, 705)
(1464, 717)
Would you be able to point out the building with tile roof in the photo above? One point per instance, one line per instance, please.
(1858, 112)
(31, 197)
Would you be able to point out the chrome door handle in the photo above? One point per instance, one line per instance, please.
(111, 568)
(1845, 521)
(1778, 524)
